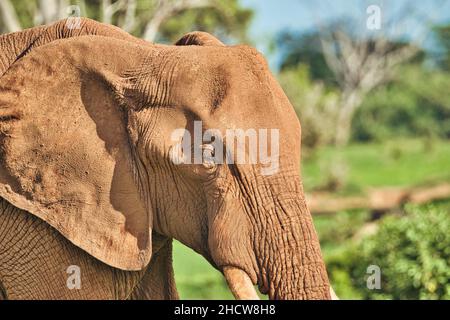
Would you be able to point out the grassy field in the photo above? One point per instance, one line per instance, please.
(195, 277)
(395, 163)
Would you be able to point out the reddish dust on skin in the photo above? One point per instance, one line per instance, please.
(89, 159)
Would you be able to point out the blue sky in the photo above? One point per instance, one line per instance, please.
(273, 16)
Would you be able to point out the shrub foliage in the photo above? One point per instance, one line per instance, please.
(412, 251)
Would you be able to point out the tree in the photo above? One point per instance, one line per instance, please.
(442, 34)
(10, 20)
(304, 48)
(413, 104)
(360, 65)
(354, 68)
(314, 104)
(347, 54)
(150, 19)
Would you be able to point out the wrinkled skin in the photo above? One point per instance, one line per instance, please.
(35, 258)
(85, 154)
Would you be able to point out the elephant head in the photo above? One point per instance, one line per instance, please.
(87, 144)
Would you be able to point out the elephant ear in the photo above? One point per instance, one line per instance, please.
(16, 45)
(198, 38)
(66, 155)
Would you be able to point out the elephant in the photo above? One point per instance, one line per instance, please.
(88, 178)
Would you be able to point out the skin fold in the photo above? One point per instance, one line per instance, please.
(35, 258)
(86, 176)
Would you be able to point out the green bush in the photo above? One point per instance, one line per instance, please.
(414, 104)
(316, 105)
(412, 251)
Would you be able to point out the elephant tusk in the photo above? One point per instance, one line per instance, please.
(240, 284)
(333, 294)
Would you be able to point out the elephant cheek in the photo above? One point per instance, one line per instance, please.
(230, 241)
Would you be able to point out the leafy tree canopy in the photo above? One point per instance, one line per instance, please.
(163, 21)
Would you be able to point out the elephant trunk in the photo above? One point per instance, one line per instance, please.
(291, 265)
(286, 246)
(291, 261)
(280, 251)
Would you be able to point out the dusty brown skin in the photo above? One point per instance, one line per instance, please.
(86, 118)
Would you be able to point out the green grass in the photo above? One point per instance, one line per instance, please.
(394, 163)
(195, 277)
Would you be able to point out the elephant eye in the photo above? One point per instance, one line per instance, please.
(208, 153)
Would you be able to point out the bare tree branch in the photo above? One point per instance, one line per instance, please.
(130, 16)
(49, 10)
(108, 9)
(9, 15)
(362, 63)
(166, 9)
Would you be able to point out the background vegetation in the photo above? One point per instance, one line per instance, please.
(375, 113)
